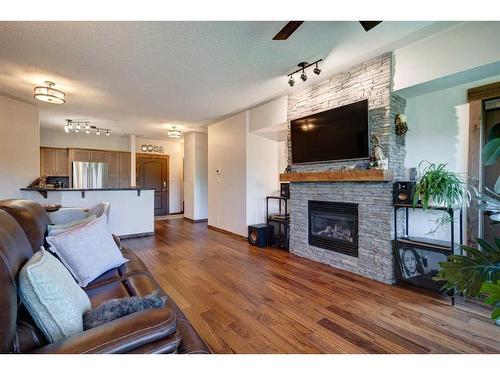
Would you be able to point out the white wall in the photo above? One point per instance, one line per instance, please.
(189, 172)
(227, 189)
(19, 146)
(261, 175)
(175, 150)
(438, 132)
(196, 176)
(467, 46)
(269, 115)
(58, 138)
(201, 177)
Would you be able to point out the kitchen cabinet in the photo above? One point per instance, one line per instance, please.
(124, 169)
(118, 163)
(54, 161)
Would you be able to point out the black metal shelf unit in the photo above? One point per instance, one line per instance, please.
(417, 258)
(278, 223)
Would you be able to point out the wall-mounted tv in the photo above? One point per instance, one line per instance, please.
(337, 134)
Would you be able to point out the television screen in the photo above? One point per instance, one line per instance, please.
(337, 134)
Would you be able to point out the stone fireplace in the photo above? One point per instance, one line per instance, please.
(358, 235)
(334, 226)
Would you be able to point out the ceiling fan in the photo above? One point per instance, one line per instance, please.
(291, 26)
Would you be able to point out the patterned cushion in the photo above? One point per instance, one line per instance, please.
(55, 229)
(52, 296)
(87, 251)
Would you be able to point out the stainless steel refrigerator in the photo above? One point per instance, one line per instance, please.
(90, 175)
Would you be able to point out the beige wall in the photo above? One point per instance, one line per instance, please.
(195, 176)
(58, 138)
(227, 174)
(19, 146)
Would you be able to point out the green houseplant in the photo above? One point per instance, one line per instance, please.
(478, 272)
(438, 186)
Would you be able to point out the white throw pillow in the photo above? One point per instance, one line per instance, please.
(87, 251)
(55, 229)
(52, 296)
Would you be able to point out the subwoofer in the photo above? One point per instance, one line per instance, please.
(257, 235)
(403, 192)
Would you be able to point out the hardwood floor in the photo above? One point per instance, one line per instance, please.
(242, 299)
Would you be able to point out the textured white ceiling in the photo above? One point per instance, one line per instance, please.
(138, 77)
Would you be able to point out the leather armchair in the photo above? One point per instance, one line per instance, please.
(121, 335)
(22, 231)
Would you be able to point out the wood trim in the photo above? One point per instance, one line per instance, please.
(474, 166)
(345, 175)
(220, 230)
(55, 148)
(195, 221)
(484, 92)
(475, 97)
(136, 235)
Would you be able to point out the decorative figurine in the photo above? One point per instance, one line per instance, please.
(401, 125)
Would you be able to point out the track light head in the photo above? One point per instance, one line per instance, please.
(317, 70)
(291, 81)
(303, 76)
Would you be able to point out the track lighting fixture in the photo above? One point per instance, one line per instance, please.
(303, 76)
(76, 126)
(317, 70)
(302, 68)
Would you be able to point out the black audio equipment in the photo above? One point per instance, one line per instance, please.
(257, 235)
(403, 192)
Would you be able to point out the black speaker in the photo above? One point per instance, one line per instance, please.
(257, 235)
(285, 190)
(403, 192)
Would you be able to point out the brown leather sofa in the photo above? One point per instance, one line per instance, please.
(22, 231)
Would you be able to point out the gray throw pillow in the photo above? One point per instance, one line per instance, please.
(116, 308)
(55, 229)
(87, 251)
(52, 297)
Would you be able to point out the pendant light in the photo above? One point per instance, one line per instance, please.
(49, 94)
(173, 132)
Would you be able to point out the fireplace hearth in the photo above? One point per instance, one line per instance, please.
(334, 226)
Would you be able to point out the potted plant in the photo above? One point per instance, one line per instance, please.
(438, 186)
(478, 272)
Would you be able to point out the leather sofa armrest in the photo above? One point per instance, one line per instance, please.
(117, 241)
(119, 336)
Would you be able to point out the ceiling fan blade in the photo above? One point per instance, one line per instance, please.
(368, 25)
(288, 30)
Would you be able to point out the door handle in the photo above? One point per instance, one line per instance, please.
(164, 184)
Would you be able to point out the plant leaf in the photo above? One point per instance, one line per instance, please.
(467, 273)
(493, 292)
(491, 151)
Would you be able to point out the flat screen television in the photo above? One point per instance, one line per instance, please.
(337, 134)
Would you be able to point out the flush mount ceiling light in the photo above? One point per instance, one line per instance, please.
(173, 132)
(76, 125)
(49, 94)
(302, 68)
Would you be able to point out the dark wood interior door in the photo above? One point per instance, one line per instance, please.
(152, 172)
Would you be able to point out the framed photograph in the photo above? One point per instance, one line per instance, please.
(418, 266)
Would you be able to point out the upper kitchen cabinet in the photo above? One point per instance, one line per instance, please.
(54, 161)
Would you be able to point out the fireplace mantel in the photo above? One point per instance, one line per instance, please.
(339, 176)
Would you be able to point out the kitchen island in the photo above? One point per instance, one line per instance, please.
(131, 209)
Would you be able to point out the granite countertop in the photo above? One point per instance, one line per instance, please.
(91, 189)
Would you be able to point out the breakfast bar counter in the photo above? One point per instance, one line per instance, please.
(131, 209)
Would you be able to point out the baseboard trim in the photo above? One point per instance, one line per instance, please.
(145, 234)
(228, 232)
(196, 221)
